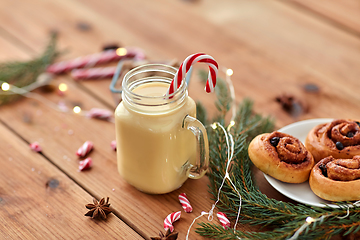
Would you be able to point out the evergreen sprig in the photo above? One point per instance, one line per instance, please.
(23, 73)
(277, 219)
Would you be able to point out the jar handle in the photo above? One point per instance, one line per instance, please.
(202, 145)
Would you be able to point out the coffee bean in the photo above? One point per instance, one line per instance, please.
(339, 145)
(274, 141)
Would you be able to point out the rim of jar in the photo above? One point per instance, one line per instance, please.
(134, 98)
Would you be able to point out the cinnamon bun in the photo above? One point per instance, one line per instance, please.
(339, 138)
(281, 156)
(336, 179)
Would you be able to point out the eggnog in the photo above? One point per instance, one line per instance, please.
(154, 151)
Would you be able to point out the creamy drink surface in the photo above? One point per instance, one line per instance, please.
(154, 146)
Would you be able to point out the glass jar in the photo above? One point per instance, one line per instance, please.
(160, 143)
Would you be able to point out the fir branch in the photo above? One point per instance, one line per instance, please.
(279, 220)
(21, 74)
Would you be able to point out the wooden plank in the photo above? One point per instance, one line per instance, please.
(341, 13)
(60, 135)
(282, 51)
(259, 72)
(40, 202)
(277, 53)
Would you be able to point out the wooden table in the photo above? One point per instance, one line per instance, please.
(274, 47)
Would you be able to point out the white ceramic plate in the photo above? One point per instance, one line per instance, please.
(299, 192)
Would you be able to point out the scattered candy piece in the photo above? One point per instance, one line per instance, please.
(62, 106)
(85, 149)
(113, 145)
(224, 221)
(85, 164)
(35, 147)
(170, 219)
(93, 73)
(99, 113)
(185, 203)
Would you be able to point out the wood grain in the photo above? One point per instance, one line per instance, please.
(343, 14)
(61, 134)
(278, 53)
(40, 202)
(273, 48)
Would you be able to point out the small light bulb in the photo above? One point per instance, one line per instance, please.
(229, 72)
(77, 109)
(121, 51)
(232, 123)
(213, 126)
(5, 86)
(309, 220)
(63, 87)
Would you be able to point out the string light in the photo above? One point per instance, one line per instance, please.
(63, 87)
(77, 109)
(230, 154)
(231, 124)
(229, 72)
(309, 220)
(5, 86)
(121, 51)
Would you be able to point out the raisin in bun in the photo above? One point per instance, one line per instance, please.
(336, 179)
(339, 138)
(281, 156)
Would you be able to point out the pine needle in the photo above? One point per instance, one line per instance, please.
(279, 220)
(21, 74)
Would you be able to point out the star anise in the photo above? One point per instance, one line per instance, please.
(168, 236)
(98, 209)
(292, 105)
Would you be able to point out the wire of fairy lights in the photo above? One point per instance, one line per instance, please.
(26, 92)
(230, 154)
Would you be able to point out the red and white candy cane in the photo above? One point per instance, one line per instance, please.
(85, 164)
(99, 113)
(185, 66)
(95, 59)
(185, 203)
(93, 73)
(224, 221)
(85, 149)
(170, 219)
(35, 146)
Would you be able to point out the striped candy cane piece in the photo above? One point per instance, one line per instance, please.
(85, 164)
(96, 59)
(185, 66)
(170, 219)
(224, 221)
(99, 113)
(85, 149)
(35, 146)
(93, 73)
(185, 203)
